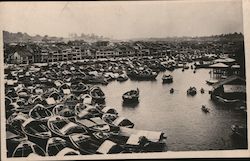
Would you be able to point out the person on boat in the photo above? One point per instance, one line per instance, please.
(202, 90)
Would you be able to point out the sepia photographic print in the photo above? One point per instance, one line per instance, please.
(120, 80)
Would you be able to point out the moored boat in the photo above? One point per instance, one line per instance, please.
(37, 131)
(205, 109)
(122, 121)
(62, 127)
(79, 88)
(167, 78)
(122, 77)
(142, 75)
(40, 112)
(191, 91)
(25, 148)
(55, 145)
(109, 147)
(86, 99)
(63, 110)
(131, 96)
(97, 94)
(85, 143)
(67, 151)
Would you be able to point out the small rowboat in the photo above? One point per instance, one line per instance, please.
(131, 96)
(167, 78)
(97, 94)
(62, 127)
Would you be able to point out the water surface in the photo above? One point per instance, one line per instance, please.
(178, 115)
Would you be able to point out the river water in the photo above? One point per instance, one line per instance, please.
(178, 115)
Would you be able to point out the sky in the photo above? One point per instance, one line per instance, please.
(124, 20)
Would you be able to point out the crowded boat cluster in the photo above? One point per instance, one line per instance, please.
(58, 110)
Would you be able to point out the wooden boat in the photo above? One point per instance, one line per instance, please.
(109, 147)
(94, 124)
(67, 151)
(37, 131)
(205, 109)
(71, 101)
(79, 88)
(97, 94)
(191, 91)
(55, 145)
(122, 77)
(133, 140)
(9, 108)
(170, 67)
(22, 105)
(211, 81)
(142, 75)
(146, 141)
(63, 110)
(65, 89)
(88, 112)
(16, 119)
(85, 98)
(185, 67)
(62, 127)
(109, 110)
(35, 99)
(40, 112)
(23, 93)
(58, 83)
(55, 96)
(109, 117)
(122, 121)
(25, 148)
(85, 143)
(167, 78)
(79, 107)
(131, 96)
(13, 138)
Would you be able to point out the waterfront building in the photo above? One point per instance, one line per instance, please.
(20, 55)
(231, 90)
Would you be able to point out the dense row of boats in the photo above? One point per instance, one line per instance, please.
(58, 109)
(48, 116)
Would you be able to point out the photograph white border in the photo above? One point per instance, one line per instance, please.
(160, 155)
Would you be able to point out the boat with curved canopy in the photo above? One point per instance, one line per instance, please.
(39, 112)
(55, 145)
(62, 127)
(131, 96)
(167, 78)
(25, 148)
(37, 131)
(97, 94)
(79, 88)
(191, 91)
(124, 122)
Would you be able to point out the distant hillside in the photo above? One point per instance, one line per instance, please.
(222, 37)
(9, 37)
